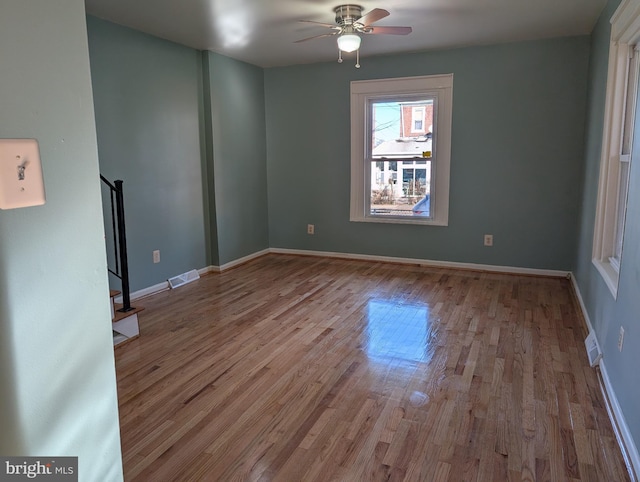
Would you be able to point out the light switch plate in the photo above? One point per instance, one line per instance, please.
(21, 182)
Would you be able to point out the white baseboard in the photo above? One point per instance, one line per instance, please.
(620, 426)
(619, 423)
(583, 307)
(364, 257)
(426, 262)
(151, 290)
(244, 259)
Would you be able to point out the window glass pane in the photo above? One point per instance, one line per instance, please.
(401, 129)
(410, 197)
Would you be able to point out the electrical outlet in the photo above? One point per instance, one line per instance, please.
(156, 256)
(311, 228)
(488, 239)
(620, 338)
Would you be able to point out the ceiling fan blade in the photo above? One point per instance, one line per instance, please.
(390, 30)
(330, 25)
(315, 36)
(373, 16)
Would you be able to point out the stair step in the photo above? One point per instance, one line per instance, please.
(120, 315)
(113, 293)
(125, 325)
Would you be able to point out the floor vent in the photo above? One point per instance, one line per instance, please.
(593, 350)
(183, 279)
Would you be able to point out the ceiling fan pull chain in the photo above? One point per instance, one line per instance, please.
(339, 56)
(358, 59)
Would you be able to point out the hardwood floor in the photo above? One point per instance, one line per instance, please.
(302, 369)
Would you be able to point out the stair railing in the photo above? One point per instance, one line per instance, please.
(121, 269)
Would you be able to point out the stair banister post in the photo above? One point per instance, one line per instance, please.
(122, 241)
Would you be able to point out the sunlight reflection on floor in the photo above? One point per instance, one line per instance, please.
(398, 330)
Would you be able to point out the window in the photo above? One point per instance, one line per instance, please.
(617, 141)
(417, 119)
(401, 149)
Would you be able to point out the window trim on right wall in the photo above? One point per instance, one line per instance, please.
(620, 103)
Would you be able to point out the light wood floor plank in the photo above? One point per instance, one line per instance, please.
(308, 369)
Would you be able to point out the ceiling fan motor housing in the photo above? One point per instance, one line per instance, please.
(348, 14)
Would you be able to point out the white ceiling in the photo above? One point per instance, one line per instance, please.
(262, 32)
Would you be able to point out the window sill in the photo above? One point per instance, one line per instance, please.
(609, 275)
(401, 220)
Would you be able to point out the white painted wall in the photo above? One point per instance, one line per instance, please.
(57, 376)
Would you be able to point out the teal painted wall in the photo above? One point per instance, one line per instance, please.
(57, 375)
(605, 313)
(185, 130)
(517, 149)
(148, 103)
(237, 131)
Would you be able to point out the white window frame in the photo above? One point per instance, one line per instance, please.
(439, 87)
(608, 235)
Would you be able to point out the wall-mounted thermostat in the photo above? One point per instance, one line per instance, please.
(21, 182)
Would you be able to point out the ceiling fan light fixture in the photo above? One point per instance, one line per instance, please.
(349, 42)
(350, 25)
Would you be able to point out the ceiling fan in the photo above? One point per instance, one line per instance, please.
(350, 23)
